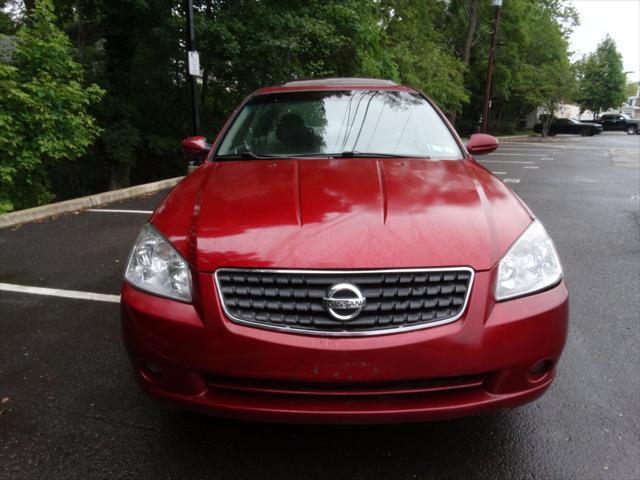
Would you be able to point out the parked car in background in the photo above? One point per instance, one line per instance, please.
(618, 122)
(341, 257)
(570, 126)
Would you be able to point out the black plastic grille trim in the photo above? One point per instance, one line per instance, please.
(397, 300)
(343, 389)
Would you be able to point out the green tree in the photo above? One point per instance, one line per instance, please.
(43, 111)
(247, 45)
(532, 52)
(6, 23)
(631, 90)
(134, 50)
(601, 79)
(418, 48)
(557, 84)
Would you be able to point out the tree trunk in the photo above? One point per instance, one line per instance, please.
(82, 38)
(468, 42)
(29, 5)
(205, 87)
(471, 31)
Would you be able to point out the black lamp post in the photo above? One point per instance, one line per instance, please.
(492, 59)
(193, 67)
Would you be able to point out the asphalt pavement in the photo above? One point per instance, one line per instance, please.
(69, 406)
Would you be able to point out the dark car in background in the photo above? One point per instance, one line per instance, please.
(618, 122)
(570, 126)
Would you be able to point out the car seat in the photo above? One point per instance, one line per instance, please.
(294, 135)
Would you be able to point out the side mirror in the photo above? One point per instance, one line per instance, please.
(481, 143)
(195, 146)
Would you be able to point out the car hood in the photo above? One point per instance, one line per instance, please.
(341, 213)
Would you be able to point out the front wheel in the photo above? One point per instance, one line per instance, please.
(632, 130)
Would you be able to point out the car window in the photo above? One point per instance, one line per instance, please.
(562, 121)
(331, 122)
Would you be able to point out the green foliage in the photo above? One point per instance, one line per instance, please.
(134, 51)
(247, 45)
(43, 114)
(7, 25)
(417, 48)
(631, 90)
(532, 66)
(601, 79)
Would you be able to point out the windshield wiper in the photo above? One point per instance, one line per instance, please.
(245, 154)
(346, 154)
(356, 154)
(302, 155)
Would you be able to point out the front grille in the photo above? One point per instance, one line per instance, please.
(293, 299)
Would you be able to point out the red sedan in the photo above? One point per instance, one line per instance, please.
(340, 257)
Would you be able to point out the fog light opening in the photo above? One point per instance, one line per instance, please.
(540, 369)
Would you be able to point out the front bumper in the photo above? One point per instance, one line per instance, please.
(192, 356)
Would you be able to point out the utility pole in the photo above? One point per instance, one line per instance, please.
(492, 60)
(193, 67)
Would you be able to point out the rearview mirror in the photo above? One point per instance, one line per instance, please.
(195, 146)
(481, 143)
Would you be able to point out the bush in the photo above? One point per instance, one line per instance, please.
(43, 111)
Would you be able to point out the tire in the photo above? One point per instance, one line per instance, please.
(552, 134)
(584, 132)
(632, 129)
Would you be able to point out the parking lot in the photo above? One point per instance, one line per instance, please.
(70, 407)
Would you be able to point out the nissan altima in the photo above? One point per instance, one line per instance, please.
(340, 256)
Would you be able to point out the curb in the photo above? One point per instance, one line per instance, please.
(90, 201)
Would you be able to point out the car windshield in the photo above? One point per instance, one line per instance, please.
(339, 123)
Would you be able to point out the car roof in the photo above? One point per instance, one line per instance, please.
(337, 83)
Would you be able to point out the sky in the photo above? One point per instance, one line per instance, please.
(620, 19)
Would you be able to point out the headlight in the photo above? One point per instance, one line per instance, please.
(156, 267)
(530, 265)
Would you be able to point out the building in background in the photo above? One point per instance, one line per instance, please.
(632, 106)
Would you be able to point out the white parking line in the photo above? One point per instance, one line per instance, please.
(108, 210)
(513, 149)
(507, 161)
(531, 167)
(511, 180)
(531, 144)
(498, 173)
(520, 154)
(565, 147)
(55, 292)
